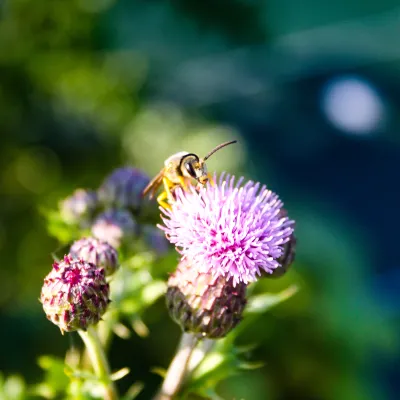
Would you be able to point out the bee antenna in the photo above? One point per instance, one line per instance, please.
(219, 147)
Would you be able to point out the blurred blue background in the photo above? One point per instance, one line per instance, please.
(312, 92)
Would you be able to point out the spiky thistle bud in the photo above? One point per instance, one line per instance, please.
(97, 252)
(75, 294)
(79, 207)
(114, 227)
(204, 304)
(123, 188)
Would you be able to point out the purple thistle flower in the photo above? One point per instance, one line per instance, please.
(114, 227)
(123, 188)
(230, 229)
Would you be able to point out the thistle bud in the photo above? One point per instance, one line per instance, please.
(123, 188)
(210, 306)
(74, 294)
(114, 227)
(97, 252)
(155, 239)
(79, 207)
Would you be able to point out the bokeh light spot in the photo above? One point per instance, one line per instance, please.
(353, 105)
(37, 169)
(160, 131)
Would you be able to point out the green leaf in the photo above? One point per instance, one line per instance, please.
(224, 358)
(140, 260)
(116, 376)
(159, 371)
(56, 377)
(152, 292)
(259, 304)
(58, 228)
(139, 327)
(133, 391)
(12, 388)
(220, 363)
(134, 290)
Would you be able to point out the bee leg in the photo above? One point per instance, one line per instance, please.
(167, 187)
(183, 183)
(210, 179)
(161, 200)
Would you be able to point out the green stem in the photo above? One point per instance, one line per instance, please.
(177, 369)
(104, 329)
(198, 355)
(99, 362)
(104, 333)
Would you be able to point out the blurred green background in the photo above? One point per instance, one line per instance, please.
(312, 92)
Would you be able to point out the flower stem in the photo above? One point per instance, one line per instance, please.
(99, 362)
(198, 355)
(177, 369)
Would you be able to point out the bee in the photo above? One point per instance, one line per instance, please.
(179, 169)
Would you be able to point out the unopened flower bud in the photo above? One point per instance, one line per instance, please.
(123, 188)
(155, 239)
(75, 294)
(206, 305)
(114, 227)
(79, 207)
(97, 252)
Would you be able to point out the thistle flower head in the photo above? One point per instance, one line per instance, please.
(97, 252)
(114, 227)
(230, 229)
(74, 294)
(203, 304)
(123, 188)
(79, 206)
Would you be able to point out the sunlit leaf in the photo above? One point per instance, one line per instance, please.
(152, 292)
(133, 391)
(259, 304)
(13, 388)
(55, 372)
(121, 331)
(58, 228)
(159, 371)
(140, 327)
(119, 374)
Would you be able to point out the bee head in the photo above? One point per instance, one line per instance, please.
(193, 167)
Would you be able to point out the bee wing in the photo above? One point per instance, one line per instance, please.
(154, 184)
